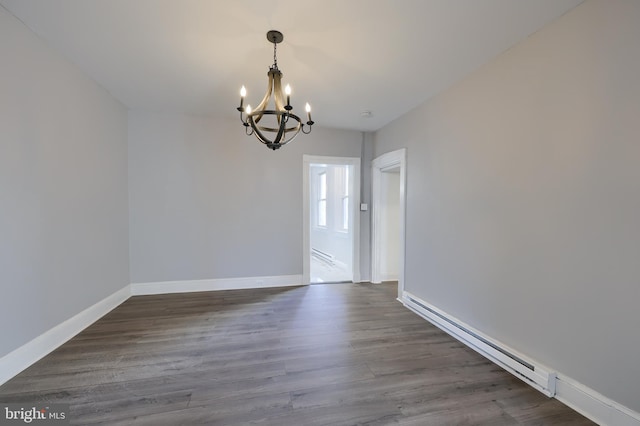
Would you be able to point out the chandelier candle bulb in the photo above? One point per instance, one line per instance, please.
(287, 90)
(248, 110)
(243, 93)
(307, 108)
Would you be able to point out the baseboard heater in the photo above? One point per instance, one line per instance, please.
(526, 370)
(327, 258)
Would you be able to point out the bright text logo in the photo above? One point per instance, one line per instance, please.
(44, 415)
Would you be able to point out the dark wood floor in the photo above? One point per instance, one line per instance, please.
(333, 354)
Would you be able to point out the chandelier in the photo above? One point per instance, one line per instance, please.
(278, 126)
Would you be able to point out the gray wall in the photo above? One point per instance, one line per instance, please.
(206, 201)
(523, 215)
(365, 197)
(63, 189)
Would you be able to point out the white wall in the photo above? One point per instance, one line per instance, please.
(207, 202)
(523, 214)
(63, 189)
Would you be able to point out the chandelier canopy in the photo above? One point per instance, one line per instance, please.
(278, 126)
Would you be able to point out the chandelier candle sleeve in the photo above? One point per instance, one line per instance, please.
(273, 121)
(243, 93)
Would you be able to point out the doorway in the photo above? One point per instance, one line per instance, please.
(388, 221)
(389, 224)
(331, 187)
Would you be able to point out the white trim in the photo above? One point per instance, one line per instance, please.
(593, 405)
(21, 358)
(307, 160)
(166, 287)
(26, 355)
(378, 166)
(388, 277)
(579, 397)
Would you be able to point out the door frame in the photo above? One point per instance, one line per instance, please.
(379, 165)
(307, 160)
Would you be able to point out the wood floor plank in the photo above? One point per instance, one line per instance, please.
(328, 354)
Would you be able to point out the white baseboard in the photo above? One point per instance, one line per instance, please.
(18, 360)
(593, 405)
(26, 355)
(579, 397)
(388, 277)
(165, 287)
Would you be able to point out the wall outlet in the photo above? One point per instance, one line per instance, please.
(364, 207)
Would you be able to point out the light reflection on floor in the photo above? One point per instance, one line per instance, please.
(322, 272)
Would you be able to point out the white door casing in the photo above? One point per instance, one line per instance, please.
(388, 161)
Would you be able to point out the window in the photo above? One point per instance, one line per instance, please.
(322, 199)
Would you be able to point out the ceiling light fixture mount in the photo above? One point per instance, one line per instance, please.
(284, 125)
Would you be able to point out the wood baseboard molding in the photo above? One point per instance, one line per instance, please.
(579, 397)
(165, 287)
(21, 358)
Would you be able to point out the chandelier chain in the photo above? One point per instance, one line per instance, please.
(275, 58)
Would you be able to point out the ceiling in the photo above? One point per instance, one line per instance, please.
(342, 56)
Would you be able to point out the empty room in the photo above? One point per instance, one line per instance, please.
(362, 212)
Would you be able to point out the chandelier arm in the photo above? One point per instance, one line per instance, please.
(283, 131)
(287, 140)
(306, 133)
(256, 131)
(277, 92)
(290, 133)
(275, 129)
(261, 137)
(280, 132)
(293, 136)
(276, 141)
(245, 123)
(265, 101)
